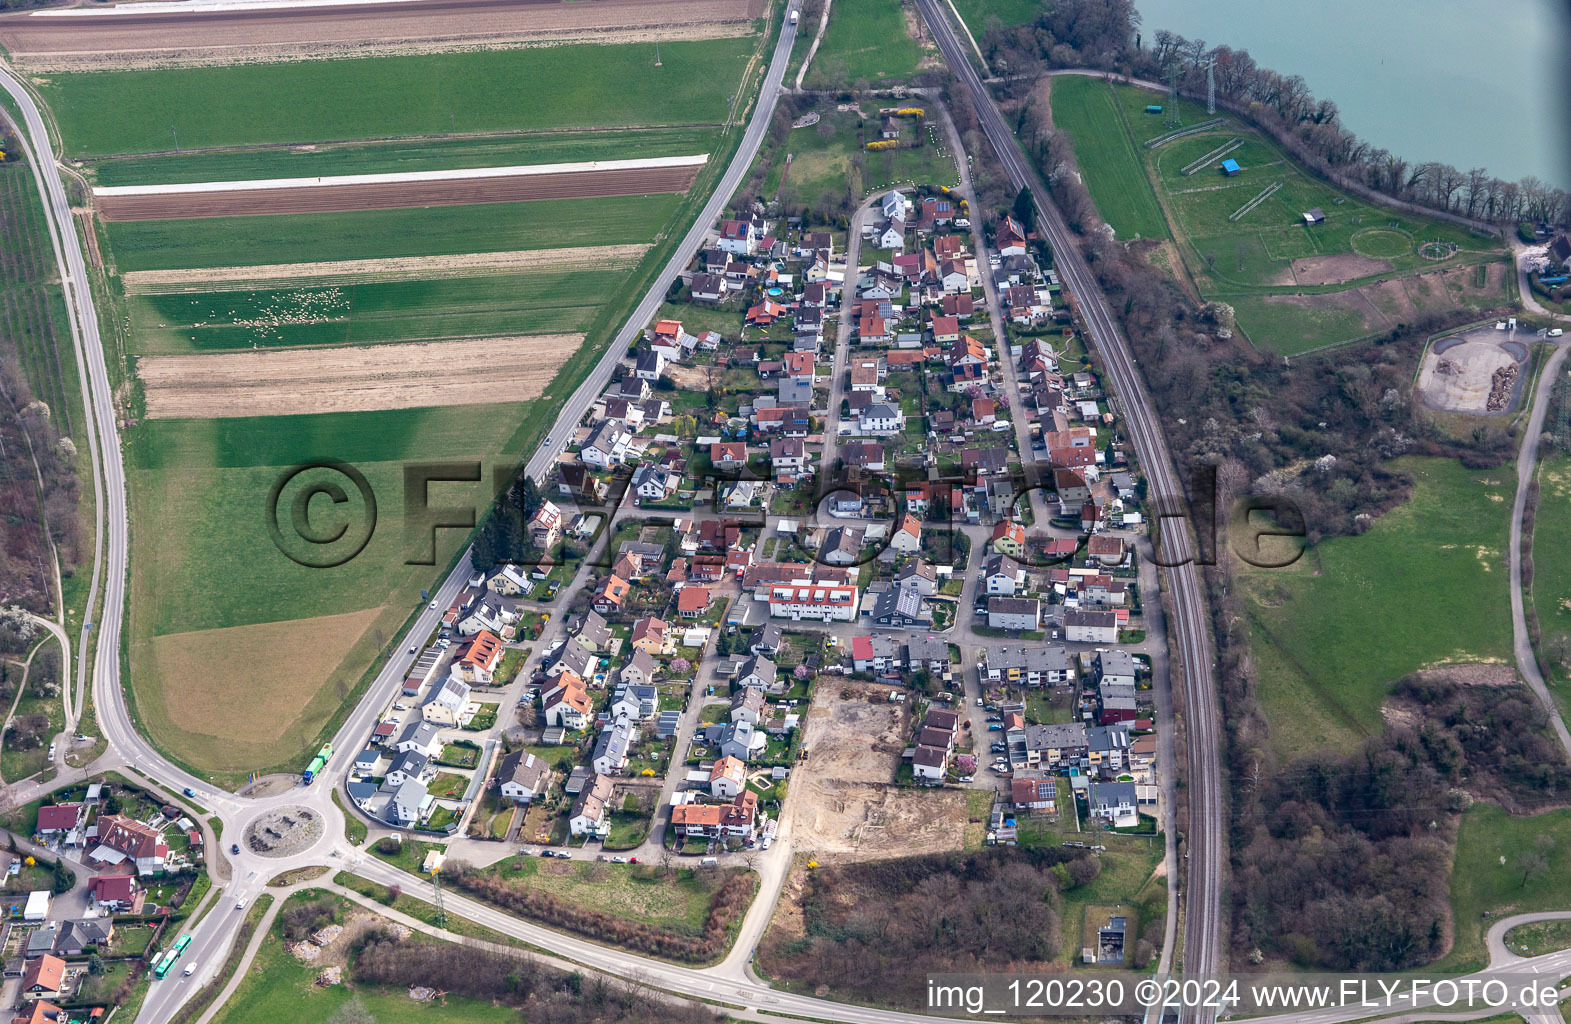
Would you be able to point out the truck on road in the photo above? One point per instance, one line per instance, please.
(317, 764)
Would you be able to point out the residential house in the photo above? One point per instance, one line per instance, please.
(449, 704)
(929, 763)
(1047, 745)
(894, 205)
(1009, 538)
(1002, 575)
(976, 462)
(609, 755)
(692, 601)
(891, 236)
(952, 276)
(878, 654)
(1010, 239)
(652, 483)
(1107, 550)
(522, 776)
(740, 740)
(882, 418)
(606, 445)
(984, 411)
(83, 936)
(609, 594)
(409, 764)
(708, 287)
(115, 894)
(420, 737)
(639, 670)
(787, 455)
(727, 778)
(919, 576)
(489, 614)
(946, 329)
(738, 237)
(842, 545)
(1107, 746)
(863, 454)
(747, 703)
(43, 978)
(899, 606)
(57, 821)
(509, 581)
(826, 602)
(764, 313)
(477, 659)
(961, 307)
(649, 364)
(121, 839)
(574, 480)
(928, 652)
(1013, 613)
(650, 636)
(766, 640)
(574, 659)
(1091, 626)
(966, 351)
(632, 703)
(757, 671)
(589, 814)
(1031, 665)
(1033, 796)
(567, 704)
(728, 455)
(735, 820)
(1114, 802)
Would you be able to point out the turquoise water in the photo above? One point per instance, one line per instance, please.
(1473, 83)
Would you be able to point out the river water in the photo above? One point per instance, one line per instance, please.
(1472, 83)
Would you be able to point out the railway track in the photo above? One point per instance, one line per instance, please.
(1185, 600)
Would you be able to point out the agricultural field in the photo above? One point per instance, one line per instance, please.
(1243, 238)
(1426, 586)
(111, 113)
(1552, 567)
(401, 155)
(372, 234)
(867, 41)
(373, 312)
(830, 164)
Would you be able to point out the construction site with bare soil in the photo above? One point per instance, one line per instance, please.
(114, 39)
(1479, 372)
(844, 799)
(290, 382)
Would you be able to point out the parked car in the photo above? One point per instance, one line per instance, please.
(979, 702)
(996, 727)
(618, 860)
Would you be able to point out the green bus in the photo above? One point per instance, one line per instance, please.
(172, 954)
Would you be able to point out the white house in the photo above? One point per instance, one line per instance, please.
(522, 776)
(1114, 802)
(881, 418)
(907, 540)
(929, 763)
(654, 483)
(611, 746)
(449, 704)
(726, 778)
(757, 671)
(607, 446)
(1099, 627)
(588, 816)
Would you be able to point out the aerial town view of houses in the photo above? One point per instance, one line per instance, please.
(852, 511)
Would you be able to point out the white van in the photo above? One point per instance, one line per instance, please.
(190, 968)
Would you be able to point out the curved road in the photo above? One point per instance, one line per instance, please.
(1182, 589)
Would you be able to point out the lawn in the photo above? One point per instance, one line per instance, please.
(1552, 566)
(633, 891)
(1480, 882)
(1251, 256)
(569, 86)
(866, 41)
(279, 987)
(1426, 585)
(403, 155)
(978, 13)
(822, 158)
(1086, 109)
(537, 302)
(18, 764)
(372, 234)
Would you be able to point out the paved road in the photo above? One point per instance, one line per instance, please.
(1186, 600)
(1526, 471)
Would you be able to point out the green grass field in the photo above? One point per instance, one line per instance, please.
(1085, 108)
(404, 155)
(571, 86)
(538, 302)
(866, 41)
(1552, 566)
(822, 155)
(1426, 585)
(277, 987)
(977, 14)
(1296, 287)
(1480, 882)
(371, 234)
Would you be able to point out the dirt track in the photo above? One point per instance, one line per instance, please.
(129, 40)
(396, 195)
(288, 382)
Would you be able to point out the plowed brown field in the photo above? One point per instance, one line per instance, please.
(289, 382)
(130, 40)
(395, 195)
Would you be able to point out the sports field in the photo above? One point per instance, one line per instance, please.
(400, 155)
(1296, 286)
(866, 41)
(1426, 586)
(107, 113)
(1084, 108)
(373, 234)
